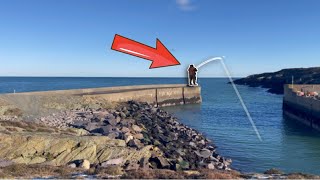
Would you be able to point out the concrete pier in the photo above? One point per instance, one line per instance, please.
(301, 108)
(161, 95)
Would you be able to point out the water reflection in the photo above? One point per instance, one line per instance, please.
(300, 148)
(291, 127)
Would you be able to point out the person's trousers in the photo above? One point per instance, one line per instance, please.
(192, 80)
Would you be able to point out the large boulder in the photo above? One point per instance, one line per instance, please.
(77, 124)
(128, 137)
(125, 129)
(92, 126)
(79, 132)
(122, 115)
(159, 162)
(204, 153)
(112, 120)
(138, 136)
(85, 164)
(108, 129)
(136, 128)
(127, 122)
(135, 143)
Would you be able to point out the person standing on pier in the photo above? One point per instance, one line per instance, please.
(192, 75)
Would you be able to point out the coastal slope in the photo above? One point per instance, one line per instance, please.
(274, 81)
(99, 135)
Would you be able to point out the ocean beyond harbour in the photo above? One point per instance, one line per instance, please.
(286, 145)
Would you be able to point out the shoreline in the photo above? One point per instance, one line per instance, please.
(149, 126)
(137, 126)
(274, 81)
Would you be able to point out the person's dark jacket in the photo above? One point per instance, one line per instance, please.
(192, 71)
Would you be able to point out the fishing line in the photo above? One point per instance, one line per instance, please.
(221, 59)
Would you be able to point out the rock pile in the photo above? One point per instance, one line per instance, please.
(139, 125)
(183, 147)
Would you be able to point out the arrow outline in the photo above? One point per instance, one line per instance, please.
(148, 47)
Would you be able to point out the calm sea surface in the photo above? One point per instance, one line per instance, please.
(286, 145)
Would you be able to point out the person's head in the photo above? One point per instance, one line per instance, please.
(191, 65)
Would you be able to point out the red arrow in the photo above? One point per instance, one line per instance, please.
(160, 56)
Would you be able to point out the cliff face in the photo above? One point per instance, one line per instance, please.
(274, 81)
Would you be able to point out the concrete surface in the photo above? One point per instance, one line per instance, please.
(303, 109)
(161, 95)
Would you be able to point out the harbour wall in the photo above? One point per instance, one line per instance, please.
(301, 108)
(160, 95)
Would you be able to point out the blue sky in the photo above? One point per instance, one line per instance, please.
(73, 37)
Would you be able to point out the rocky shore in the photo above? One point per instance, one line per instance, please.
(141, 125)
(130, 136)
(130, 140)
(274, 81)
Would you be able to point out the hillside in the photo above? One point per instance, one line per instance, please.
(274, 81)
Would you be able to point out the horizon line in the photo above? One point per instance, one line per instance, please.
(109, 77)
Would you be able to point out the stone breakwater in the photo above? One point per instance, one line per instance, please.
(141, 125)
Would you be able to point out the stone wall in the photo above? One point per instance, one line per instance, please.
(303, 109)
(159, 95)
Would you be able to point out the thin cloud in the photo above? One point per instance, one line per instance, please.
(185, 5)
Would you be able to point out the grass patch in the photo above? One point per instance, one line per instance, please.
(32, 171)
(103, 171)
(45, 171)
(153, 174)
(111, 170)
(170, 174)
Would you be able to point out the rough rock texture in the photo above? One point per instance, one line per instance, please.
(85, 164)
(60, 150)
(274, 81)
(183, 147)
(133, 135)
